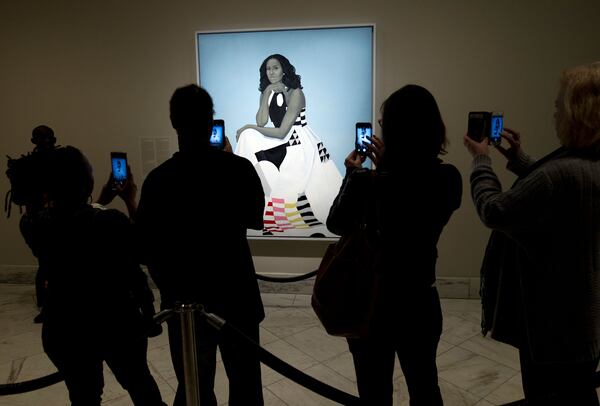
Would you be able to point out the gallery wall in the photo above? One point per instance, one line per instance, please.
(101, 75)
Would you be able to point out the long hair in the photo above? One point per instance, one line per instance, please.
(412, 127)
(290, 78)
(68, 178)
(578, 108)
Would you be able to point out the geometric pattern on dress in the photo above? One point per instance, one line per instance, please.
(294, 139)
(301, 119)
(280, 216)
(323, 154)
(306, 212)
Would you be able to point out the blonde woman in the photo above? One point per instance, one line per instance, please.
(541, 272)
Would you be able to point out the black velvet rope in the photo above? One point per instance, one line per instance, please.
(282, 367)
(56, 377)
(266, 358)
(284, 279)
(28, 386)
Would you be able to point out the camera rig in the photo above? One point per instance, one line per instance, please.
(26, 172)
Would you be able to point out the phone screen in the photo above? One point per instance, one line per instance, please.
(364, 131)
(119, 167)
(218, 133)
(496, 126)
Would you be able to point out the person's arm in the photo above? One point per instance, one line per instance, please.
(227, 147)
(517, 160)
(145, 221)
(344, 214)
(295, 104)
(524, 207)
(121, 231)
(127, 192)
(254, 197)
(30, 230)
(262, 116)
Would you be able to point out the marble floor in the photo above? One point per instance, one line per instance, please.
(473, 370)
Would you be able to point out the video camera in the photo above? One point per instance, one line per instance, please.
(26, 172)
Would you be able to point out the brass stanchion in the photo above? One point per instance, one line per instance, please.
(190, 365)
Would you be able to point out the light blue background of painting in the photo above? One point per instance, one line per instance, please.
(336, 66)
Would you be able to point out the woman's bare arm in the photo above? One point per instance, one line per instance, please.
(295, 103)
(262, 116)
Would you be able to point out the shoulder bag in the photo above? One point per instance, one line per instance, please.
(347, 285)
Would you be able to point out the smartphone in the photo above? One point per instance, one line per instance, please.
(118, 161)
(364, 132)
(496, 127)
(217, 138)
(478, 125)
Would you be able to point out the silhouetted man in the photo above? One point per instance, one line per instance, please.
(193, 215)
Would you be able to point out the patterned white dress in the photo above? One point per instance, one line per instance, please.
(299, 178)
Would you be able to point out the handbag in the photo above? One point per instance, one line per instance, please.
(346, 289)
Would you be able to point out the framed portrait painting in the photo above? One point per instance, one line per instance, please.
(289, 99)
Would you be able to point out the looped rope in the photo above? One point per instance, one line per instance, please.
(265, 356)
(281, 366)
(284, 279)
(28, 386)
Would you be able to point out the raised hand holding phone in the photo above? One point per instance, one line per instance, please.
(117, 185)
(514, 141)
(486, 125)
(376, 149)
(354, 160)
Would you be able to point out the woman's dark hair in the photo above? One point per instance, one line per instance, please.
(412, 126)
(290, 79)
(69, 179)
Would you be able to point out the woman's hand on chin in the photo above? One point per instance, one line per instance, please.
(275, 87)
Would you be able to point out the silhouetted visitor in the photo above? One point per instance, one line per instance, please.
(411, 196)
(541, 271)
(25, 175)
(192, 218)
(27, 190)
(98, 306)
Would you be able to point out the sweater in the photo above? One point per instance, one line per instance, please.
(545, 254)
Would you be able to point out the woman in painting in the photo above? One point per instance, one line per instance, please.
(298, 176)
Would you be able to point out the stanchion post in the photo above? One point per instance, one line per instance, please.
(190, 365)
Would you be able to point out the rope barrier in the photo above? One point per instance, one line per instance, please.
(56, 377)
(28, 386)
(283, 279)
(282, 367)
(265, 356)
